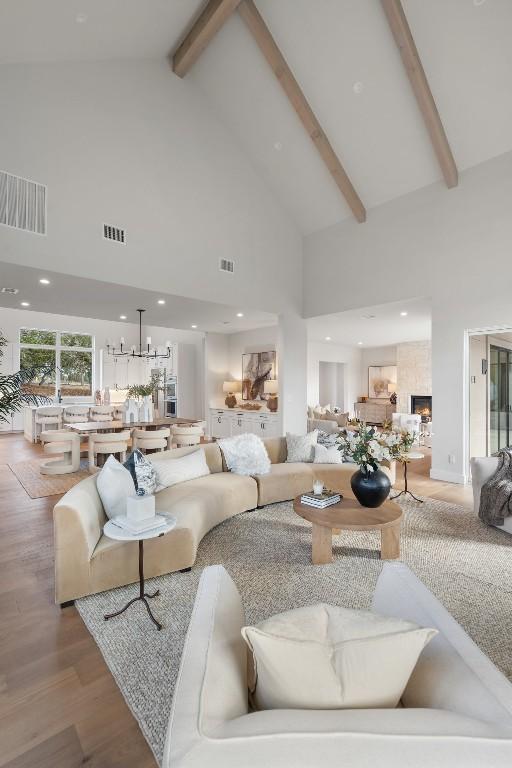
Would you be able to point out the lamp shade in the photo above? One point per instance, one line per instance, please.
(231, 386)
(270, 387)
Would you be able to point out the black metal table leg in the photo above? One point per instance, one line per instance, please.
(143, 596)
(406, 489)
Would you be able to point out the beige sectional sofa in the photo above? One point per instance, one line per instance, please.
(87, 561)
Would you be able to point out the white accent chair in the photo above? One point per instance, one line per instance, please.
(48, 416)
(106, 443)
(67, 444)
(151, 439)
(481, 470)
(456, 713)
(183, 436)
(75, 414)
(102, 413)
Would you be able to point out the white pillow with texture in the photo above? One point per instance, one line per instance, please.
(245, 455)
(114, 483)
(327, 455)
(326, 657)
(301, 447)
(171, 471)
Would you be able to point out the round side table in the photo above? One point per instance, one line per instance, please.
(113, 531)
(406, 458)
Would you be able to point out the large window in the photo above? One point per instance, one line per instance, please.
(69, 354)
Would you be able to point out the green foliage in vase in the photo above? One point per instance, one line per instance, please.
(16, 388)
(139, 391)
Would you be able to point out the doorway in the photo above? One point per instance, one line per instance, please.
(500, 397)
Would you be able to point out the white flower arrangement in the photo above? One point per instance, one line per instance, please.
(369, 448)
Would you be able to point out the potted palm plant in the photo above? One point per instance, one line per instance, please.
(16, 388)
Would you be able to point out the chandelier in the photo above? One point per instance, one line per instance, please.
(147, 353)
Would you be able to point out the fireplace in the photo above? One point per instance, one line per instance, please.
(422, 404)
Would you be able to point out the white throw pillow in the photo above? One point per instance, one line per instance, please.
(114, 483)
(301, 447)
(326, 657)
(327, 455)
(245, 455)
(171, 471)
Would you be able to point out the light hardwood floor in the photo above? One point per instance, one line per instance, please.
(59, 704)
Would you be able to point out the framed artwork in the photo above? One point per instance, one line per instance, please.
(379, 376)
(256, 368)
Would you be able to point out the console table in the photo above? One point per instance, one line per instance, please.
(374, 411)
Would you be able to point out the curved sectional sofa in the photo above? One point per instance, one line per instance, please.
(87, 561)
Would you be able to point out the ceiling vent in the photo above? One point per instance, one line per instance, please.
(12, 291)
(116, 234)
(22, 203)
(225, 265)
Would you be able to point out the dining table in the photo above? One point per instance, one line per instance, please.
(88, 427)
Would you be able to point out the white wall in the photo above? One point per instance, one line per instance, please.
(130, 144)
(452, 245)
(335, 353)
(189, 343)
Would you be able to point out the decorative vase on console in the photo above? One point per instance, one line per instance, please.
(146, 409)
(130, 411)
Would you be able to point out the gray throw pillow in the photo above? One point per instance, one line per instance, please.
(301, 448)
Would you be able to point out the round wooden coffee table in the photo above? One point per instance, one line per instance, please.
(349, 515)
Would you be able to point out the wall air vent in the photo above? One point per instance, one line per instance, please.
(22, 203)
(225, 265)
(116, 234)
(12, 291)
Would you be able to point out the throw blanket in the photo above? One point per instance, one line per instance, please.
(496, 494)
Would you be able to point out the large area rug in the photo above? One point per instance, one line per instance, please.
(37, 485)
(268, 553)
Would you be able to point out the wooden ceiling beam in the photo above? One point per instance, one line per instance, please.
(411, 60)
(267, 45)
(216, 13)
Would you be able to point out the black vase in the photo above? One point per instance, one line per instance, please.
(371, 489)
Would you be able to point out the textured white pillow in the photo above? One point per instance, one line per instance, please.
(114, 483)
(325, 657)
(327, 455)
(173, 471)
(301, 447)
(245, 455)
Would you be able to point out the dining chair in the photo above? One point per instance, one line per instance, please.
(74, 414)
(106, 443)
(189, 435)
(102, 413)
(65, 443)
(48, 416)
(151, 439)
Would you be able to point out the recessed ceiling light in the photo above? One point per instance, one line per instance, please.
(44, 281)
(478, 2)
(25, 304)
(278, 146)
(359, 343)
(403, 314)
(358, 87)
(81, 18)
(193, 326)
(327, 338)
(161, 301)
(239, 314)
(122, 317)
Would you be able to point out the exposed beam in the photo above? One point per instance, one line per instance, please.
(205, 28)
(416, 74)
(249, 13)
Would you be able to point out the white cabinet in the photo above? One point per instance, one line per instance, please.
(230, 423)
(220, 424)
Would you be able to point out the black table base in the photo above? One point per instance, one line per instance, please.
(143, 596)
(406, 490)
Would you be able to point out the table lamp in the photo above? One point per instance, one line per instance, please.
(230, 387)
(270, 388)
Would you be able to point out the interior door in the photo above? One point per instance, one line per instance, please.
(500, 398)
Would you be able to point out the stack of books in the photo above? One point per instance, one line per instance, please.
(321, 500)
(140, 526)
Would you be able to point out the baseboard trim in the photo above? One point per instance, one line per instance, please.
(448, 477)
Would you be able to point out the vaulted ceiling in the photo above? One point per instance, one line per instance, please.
(345, 59)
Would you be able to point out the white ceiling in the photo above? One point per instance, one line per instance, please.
(80, 297)
(330, 45)
(375, 326)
